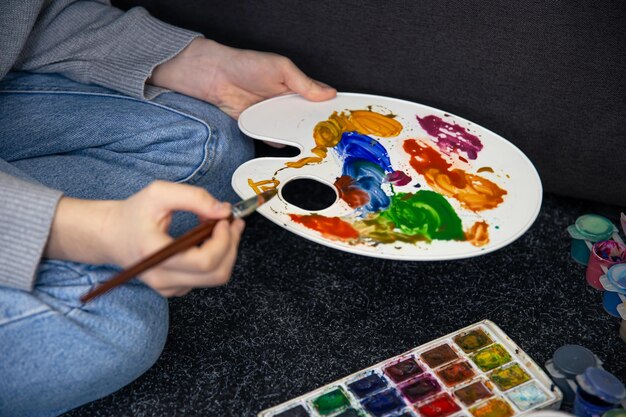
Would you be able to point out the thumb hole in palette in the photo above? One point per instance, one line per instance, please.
(309, 194)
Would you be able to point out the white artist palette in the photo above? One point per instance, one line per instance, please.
(292, 120)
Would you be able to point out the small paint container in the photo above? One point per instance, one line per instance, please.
(588, 228)
(615, 285)
(610, 302)
(605, 253)
(617, 276)
(567, 362)
(598, 392)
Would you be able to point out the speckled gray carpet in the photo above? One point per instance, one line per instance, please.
(298, 315)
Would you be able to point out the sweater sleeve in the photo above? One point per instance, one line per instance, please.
(26, 213)
(94, 42)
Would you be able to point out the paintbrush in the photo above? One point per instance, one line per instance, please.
(186, 241)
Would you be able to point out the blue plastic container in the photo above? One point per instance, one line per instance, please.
(598, 392)
(611, 300)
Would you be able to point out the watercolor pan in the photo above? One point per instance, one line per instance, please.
(439, 355)
(477, 371)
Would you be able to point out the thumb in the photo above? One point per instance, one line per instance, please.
(300, 83)
(169, 196)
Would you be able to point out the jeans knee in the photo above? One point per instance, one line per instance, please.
(232, 147)
(131, 326)
(140, 329)
(226, 148)
(99, 348)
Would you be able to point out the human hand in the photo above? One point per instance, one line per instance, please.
(234, 79)
(124, 232)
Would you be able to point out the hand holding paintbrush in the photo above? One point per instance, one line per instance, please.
(183, 243)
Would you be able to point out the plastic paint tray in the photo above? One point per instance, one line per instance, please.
(477, 371)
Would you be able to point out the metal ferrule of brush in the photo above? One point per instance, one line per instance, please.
(248, 206)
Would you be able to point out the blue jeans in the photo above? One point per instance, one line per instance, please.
(91, 142)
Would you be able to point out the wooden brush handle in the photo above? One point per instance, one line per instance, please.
(186, 241)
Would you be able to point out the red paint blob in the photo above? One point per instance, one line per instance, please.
(330, 227)
(350, 192)
(440, 407)
(472, 191)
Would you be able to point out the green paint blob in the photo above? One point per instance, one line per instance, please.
(331, 402)
(491, 357)
(509, 377)
(425, 213)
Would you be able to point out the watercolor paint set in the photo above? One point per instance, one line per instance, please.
(477, 371)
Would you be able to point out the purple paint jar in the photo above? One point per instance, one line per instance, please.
(605, 253)
(598, 392)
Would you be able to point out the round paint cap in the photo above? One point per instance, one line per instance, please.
(593, 227)
(617, 276)
(602, 384)
(572, 360)
(616, 412)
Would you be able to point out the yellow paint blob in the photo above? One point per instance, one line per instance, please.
(327, 133)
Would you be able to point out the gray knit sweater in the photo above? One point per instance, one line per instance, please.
(90, 42)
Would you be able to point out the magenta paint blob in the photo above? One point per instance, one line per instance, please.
(451, 137)
(420, 388)
(403, 370)
(398, 178)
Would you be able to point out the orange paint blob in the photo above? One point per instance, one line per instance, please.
(304, 161)
(264, 185)
(478, 234)
(368, 122)
(328, 133)
(330, 227)
(350, 193)
(472, 191)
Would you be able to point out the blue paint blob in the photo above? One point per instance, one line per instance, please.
(527, 396)
(369, 178)
(366, 386)
(367, 161)
(363, 147)
(383, 403)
